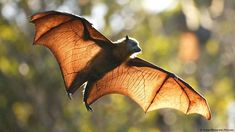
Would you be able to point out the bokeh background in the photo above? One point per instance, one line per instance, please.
(193, 38)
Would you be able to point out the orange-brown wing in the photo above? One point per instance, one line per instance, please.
(151, 87)
(72, 40)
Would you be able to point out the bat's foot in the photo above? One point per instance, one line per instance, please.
(88, 107)
(70, 95)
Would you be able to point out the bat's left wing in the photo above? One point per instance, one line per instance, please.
(72, 40)
(151, 87)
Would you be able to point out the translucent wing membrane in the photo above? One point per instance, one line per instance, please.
(66, 36)
(151, 87)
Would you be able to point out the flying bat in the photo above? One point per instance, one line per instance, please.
(87, 58)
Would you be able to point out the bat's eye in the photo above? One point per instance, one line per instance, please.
(133, 43)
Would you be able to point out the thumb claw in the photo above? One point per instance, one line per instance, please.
(88, 107)
(70, 95)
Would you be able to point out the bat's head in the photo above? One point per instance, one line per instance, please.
(127, 47)
(132, 45)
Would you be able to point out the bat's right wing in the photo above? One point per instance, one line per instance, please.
(151, 87)
(72, 40)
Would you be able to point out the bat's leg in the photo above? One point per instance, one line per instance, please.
(79, 80)
(86, 92)
(70, 95)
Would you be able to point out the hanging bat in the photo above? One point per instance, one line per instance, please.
(87, 58)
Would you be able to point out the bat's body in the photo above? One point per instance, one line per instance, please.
(107, 60)
(87, 57)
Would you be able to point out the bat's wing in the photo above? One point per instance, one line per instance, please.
(151, 87)
(72, 40)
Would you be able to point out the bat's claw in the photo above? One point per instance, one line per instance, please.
(70, 95)
(88, 107)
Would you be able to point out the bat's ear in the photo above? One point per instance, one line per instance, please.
(127, 37)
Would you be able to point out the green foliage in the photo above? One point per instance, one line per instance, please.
(32, 93)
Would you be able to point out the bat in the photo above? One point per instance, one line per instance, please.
(87, 58)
